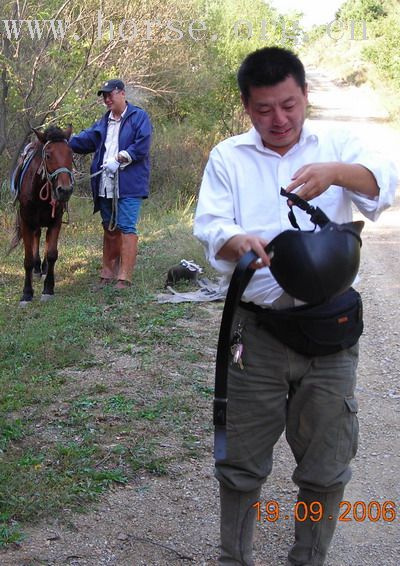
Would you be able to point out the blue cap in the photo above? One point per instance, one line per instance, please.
(111, 85)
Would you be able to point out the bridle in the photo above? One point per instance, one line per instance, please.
(51, 176)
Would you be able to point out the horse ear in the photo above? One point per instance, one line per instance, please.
(68, 131)
(40, 135)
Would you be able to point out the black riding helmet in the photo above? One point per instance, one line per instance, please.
(315, 266)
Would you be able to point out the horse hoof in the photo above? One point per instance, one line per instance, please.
(44, 298)
(24, 303)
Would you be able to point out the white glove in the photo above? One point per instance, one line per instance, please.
(111, 165)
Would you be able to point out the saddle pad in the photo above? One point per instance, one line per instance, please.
(19, 173)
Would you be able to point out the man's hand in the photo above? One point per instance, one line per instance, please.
(313, 179)
(121, 158)
(238, 245)
(111, 165)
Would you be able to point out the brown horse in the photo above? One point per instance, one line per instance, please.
(44, 188)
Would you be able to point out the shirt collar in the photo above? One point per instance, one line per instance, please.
(308, 133)
(252, 137)
(112, 119)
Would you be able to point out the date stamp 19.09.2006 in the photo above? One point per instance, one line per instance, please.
(358, 511)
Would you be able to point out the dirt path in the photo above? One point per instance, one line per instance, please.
(174, 519)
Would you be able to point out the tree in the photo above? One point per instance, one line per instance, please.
(53, 53)
(361, 10)
(235, 28)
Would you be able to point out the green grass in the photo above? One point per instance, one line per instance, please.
(71, 423)
(9, 531)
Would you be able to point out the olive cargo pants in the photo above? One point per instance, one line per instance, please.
(313, 398)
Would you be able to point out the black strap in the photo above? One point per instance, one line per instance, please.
(240, 279)
(317, 216)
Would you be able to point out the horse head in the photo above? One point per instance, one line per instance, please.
(57, 161)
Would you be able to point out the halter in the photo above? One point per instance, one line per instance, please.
(50, 176)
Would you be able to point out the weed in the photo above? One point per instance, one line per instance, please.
(9, 531)
(143, 456)
(119, 404)
(9, 431)
(204, 390)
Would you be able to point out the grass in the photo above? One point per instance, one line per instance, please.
(97, 386)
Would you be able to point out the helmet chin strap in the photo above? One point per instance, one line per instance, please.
(317, 217)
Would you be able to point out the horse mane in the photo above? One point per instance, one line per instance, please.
(54, 133)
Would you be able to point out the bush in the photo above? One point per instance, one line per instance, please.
(178, 158)
(384, 51)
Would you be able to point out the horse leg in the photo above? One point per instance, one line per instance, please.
(44, 266)
(37, 269)
(51, 258)
(27, 237)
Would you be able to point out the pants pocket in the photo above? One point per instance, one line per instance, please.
(348, 432)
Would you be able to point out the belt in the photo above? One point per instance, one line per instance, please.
(252, 307)
(284, 301)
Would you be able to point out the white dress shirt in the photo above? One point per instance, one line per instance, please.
(240, 194)
(108, 182)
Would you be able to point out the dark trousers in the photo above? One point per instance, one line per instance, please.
(312, 398)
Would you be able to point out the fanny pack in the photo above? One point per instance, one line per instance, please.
(317, 330)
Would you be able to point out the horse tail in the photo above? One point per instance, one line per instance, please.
(17, 233)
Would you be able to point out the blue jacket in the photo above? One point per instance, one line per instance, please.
(134, 137)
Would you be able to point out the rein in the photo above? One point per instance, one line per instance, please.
(46, 191)
(79, 176)
(114, 211)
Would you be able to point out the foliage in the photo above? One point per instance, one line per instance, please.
(178, 58)
(178, 157)
(384, 51)
(361, 10)
(235, 29)
(364, 47)
(49, 71)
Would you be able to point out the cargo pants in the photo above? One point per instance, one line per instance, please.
(278, 389)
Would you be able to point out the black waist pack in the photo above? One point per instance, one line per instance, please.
(317, 330)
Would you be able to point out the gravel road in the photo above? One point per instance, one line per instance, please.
(174, 520)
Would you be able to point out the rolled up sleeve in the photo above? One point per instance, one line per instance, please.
(384, 171)
(214, 222)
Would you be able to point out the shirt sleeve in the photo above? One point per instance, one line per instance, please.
(127, 156)
(382, 168)
(86, 141)
(214, 222)
(139, 149)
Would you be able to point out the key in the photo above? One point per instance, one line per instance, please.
(237, 350)
(237, 346)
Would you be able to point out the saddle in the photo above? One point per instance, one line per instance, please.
(23, 163)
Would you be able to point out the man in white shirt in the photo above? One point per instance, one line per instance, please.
(240, 209)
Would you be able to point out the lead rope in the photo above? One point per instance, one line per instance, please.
(45, 194)
(114, 213)
(114, 210)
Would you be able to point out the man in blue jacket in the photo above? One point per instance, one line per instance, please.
(120, 170)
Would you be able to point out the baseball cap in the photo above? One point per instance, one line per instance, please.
(109, 86)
